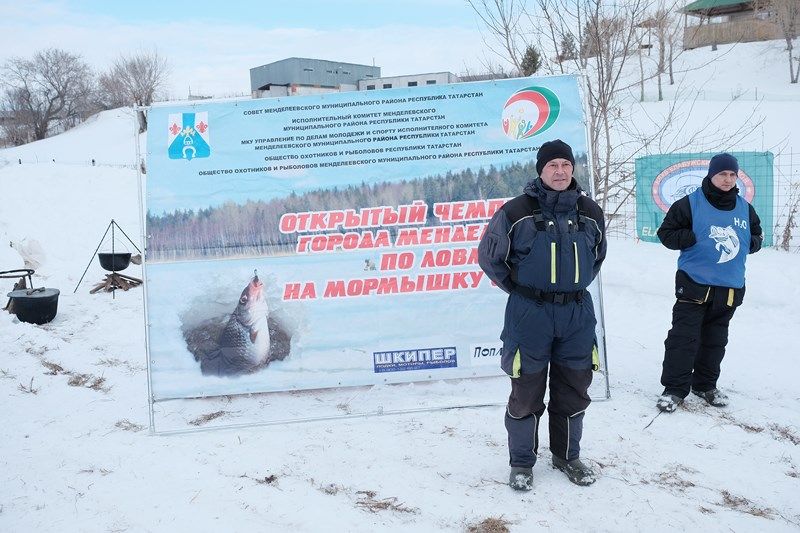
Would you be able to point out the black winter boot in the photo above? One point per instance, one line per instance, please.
(714, 397)
(667, 403)
(521, 478)
(576, 471)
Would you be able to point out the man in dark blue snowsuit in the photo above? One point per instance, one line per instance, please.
(544, 248)
(715, 229)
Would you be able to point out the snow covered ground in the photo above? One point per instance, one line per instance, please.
(75, 453)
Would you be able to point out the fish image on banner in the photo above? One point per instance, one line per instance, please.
(188, 136)
(242, 342)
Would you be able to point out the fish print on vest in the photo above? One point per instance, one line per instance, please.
(727, 242)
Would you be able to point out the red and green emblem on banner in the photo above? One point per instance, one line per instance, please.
(530, 111)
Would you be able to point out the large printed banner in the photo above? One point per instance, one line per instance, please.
(663, 179)
(331, 240)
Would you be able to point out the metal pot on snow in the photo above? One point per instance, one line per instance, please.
(114, 261)
(35, 306)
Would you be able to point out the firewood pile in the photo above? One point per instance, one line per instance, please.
(116, 281)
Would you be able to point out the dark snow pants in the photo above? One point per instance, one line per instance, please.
(569, 398)
(558, 338)
(694, 347)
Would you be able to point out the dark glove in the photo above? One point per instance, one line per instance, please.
(755, 243)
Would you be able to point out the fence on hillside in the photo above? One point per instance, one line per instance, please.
(785, 220)
(36, 160)
(735, 31)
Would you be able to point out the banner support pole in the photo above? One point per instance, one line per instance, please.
(142, 236)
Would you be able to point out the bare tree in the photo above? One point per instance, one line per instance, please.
(135, 79)
(502, 19)
(110, 92)
(14, 132)
(664, 24)
(49, 91)
(674, 34)
(608, 36)
(641, 68)
(508, 23)
(787, 15)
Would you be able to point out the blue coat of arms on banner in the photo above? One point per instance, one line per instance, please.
(188, 136)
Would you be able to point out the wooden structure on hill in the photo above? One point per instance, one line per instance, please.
(728, 21)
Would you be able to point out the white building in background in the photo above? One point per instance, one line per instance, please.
(297, 76)
(412, 80)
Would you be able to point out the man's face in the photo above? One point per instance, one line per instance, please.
(557, 174)
(724, 180)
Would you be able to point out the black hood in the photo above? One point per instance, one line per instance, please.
(555, 201)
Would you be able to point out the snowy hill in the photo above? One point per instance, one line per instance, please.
(744, 71)
(106, 137)
(76, 454)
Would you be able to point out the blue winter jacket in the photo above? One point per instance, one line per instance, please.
(562, 254)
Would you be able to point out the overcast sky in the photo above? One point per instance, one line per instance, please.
(212, 45)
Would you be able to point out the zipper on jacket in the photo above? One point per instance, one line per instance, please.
(571, 227)
(577, 265)
(553, 252)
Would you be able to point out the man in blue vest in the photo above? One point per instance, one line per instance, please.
(715, 229)
(544, 248)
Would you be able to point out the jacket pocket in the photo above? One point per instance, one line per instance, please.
(688, 289)
(511, 359)
(534, 268)
(728, 297)
(584, 258)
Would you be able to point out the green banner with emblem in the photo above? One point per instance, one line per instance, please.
(661, 180)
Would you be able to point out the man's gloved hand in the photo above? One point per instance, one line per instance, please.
(755, 243)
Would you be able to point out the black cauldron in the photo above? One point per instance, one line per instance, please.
(35, 306)
(114, 262)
